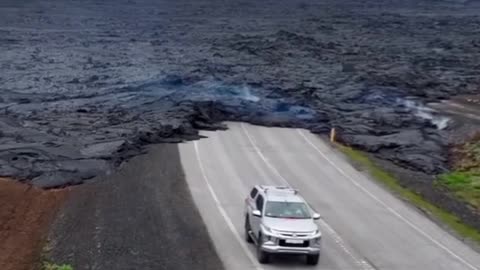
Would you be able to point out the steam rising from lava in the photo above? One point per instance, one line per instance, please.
(419, 110)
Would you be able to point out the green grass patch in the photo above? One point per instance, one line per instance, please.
(464, 180)
(389, 181)
(53, 266)
(465, 185)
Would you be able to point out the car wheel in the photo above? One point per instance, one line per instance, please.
(263, 257)
(313, 259)
(248, 238)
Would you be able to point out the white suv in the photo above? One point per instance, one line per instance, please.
(278, 220)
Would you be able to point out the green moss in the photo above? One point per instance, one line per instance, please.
(465, 185)
(53, 266)
(452, 221)
(464, 181)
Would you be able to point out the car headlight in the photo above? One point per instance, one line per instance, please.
(318, 237)
(268, 235)
(269, 231)
(266, 229)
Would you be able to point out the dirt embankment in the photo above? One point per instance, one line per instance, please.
(25, 215)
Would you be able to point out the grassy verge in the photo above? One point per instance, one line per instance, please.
(464, 182)
(452, 221)
(53, 266)
(465, 185)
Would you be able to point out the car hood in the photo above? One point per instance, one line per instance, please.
(290, 224)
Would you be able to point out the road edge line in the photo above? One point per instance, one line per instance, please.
(222, 210)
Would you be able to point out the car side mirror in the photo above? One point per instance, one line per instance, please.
(316, 216)
(257, 213)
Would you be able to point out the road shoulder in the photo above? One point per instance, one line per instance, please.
(141, 217)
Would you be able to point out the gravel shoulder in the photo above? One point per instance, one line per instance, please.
(141, 217)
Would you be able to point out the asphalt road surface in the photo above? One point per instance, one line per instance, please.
(364, 226)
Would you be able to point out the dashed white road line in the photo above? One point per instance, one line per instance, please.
(336, 237)
(223, 212)
(391, 210)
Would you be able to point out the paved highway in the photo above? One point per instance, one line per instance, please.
(364, 227)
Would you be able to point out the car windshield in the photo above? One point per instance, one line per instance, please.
(286, 210)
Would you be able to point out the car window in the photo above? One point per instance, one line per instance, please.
(253, 193)
(286, 210)
(259, 202)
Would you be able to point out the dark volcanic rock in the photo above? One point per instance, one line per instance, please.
(85, 88)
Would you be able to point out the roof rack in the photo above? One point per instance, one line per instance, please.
(280, 188)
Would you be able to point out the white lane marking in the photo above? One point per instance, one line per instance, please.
(391, 210)
(223, 212)
(336, 237)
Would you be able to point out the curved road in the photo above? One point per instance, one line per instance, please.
(364, 227)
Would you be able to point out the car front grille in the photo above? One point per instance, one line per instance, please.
(293, 235)
(282, 243)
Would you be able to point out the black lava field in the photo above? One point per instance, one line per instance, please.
(86, 84)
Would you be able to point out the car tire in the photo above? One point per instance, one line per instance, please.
(248, 238)
(263, 257)
(313, 259)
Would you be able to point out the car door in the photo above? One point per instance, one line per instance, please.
(255, 221)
